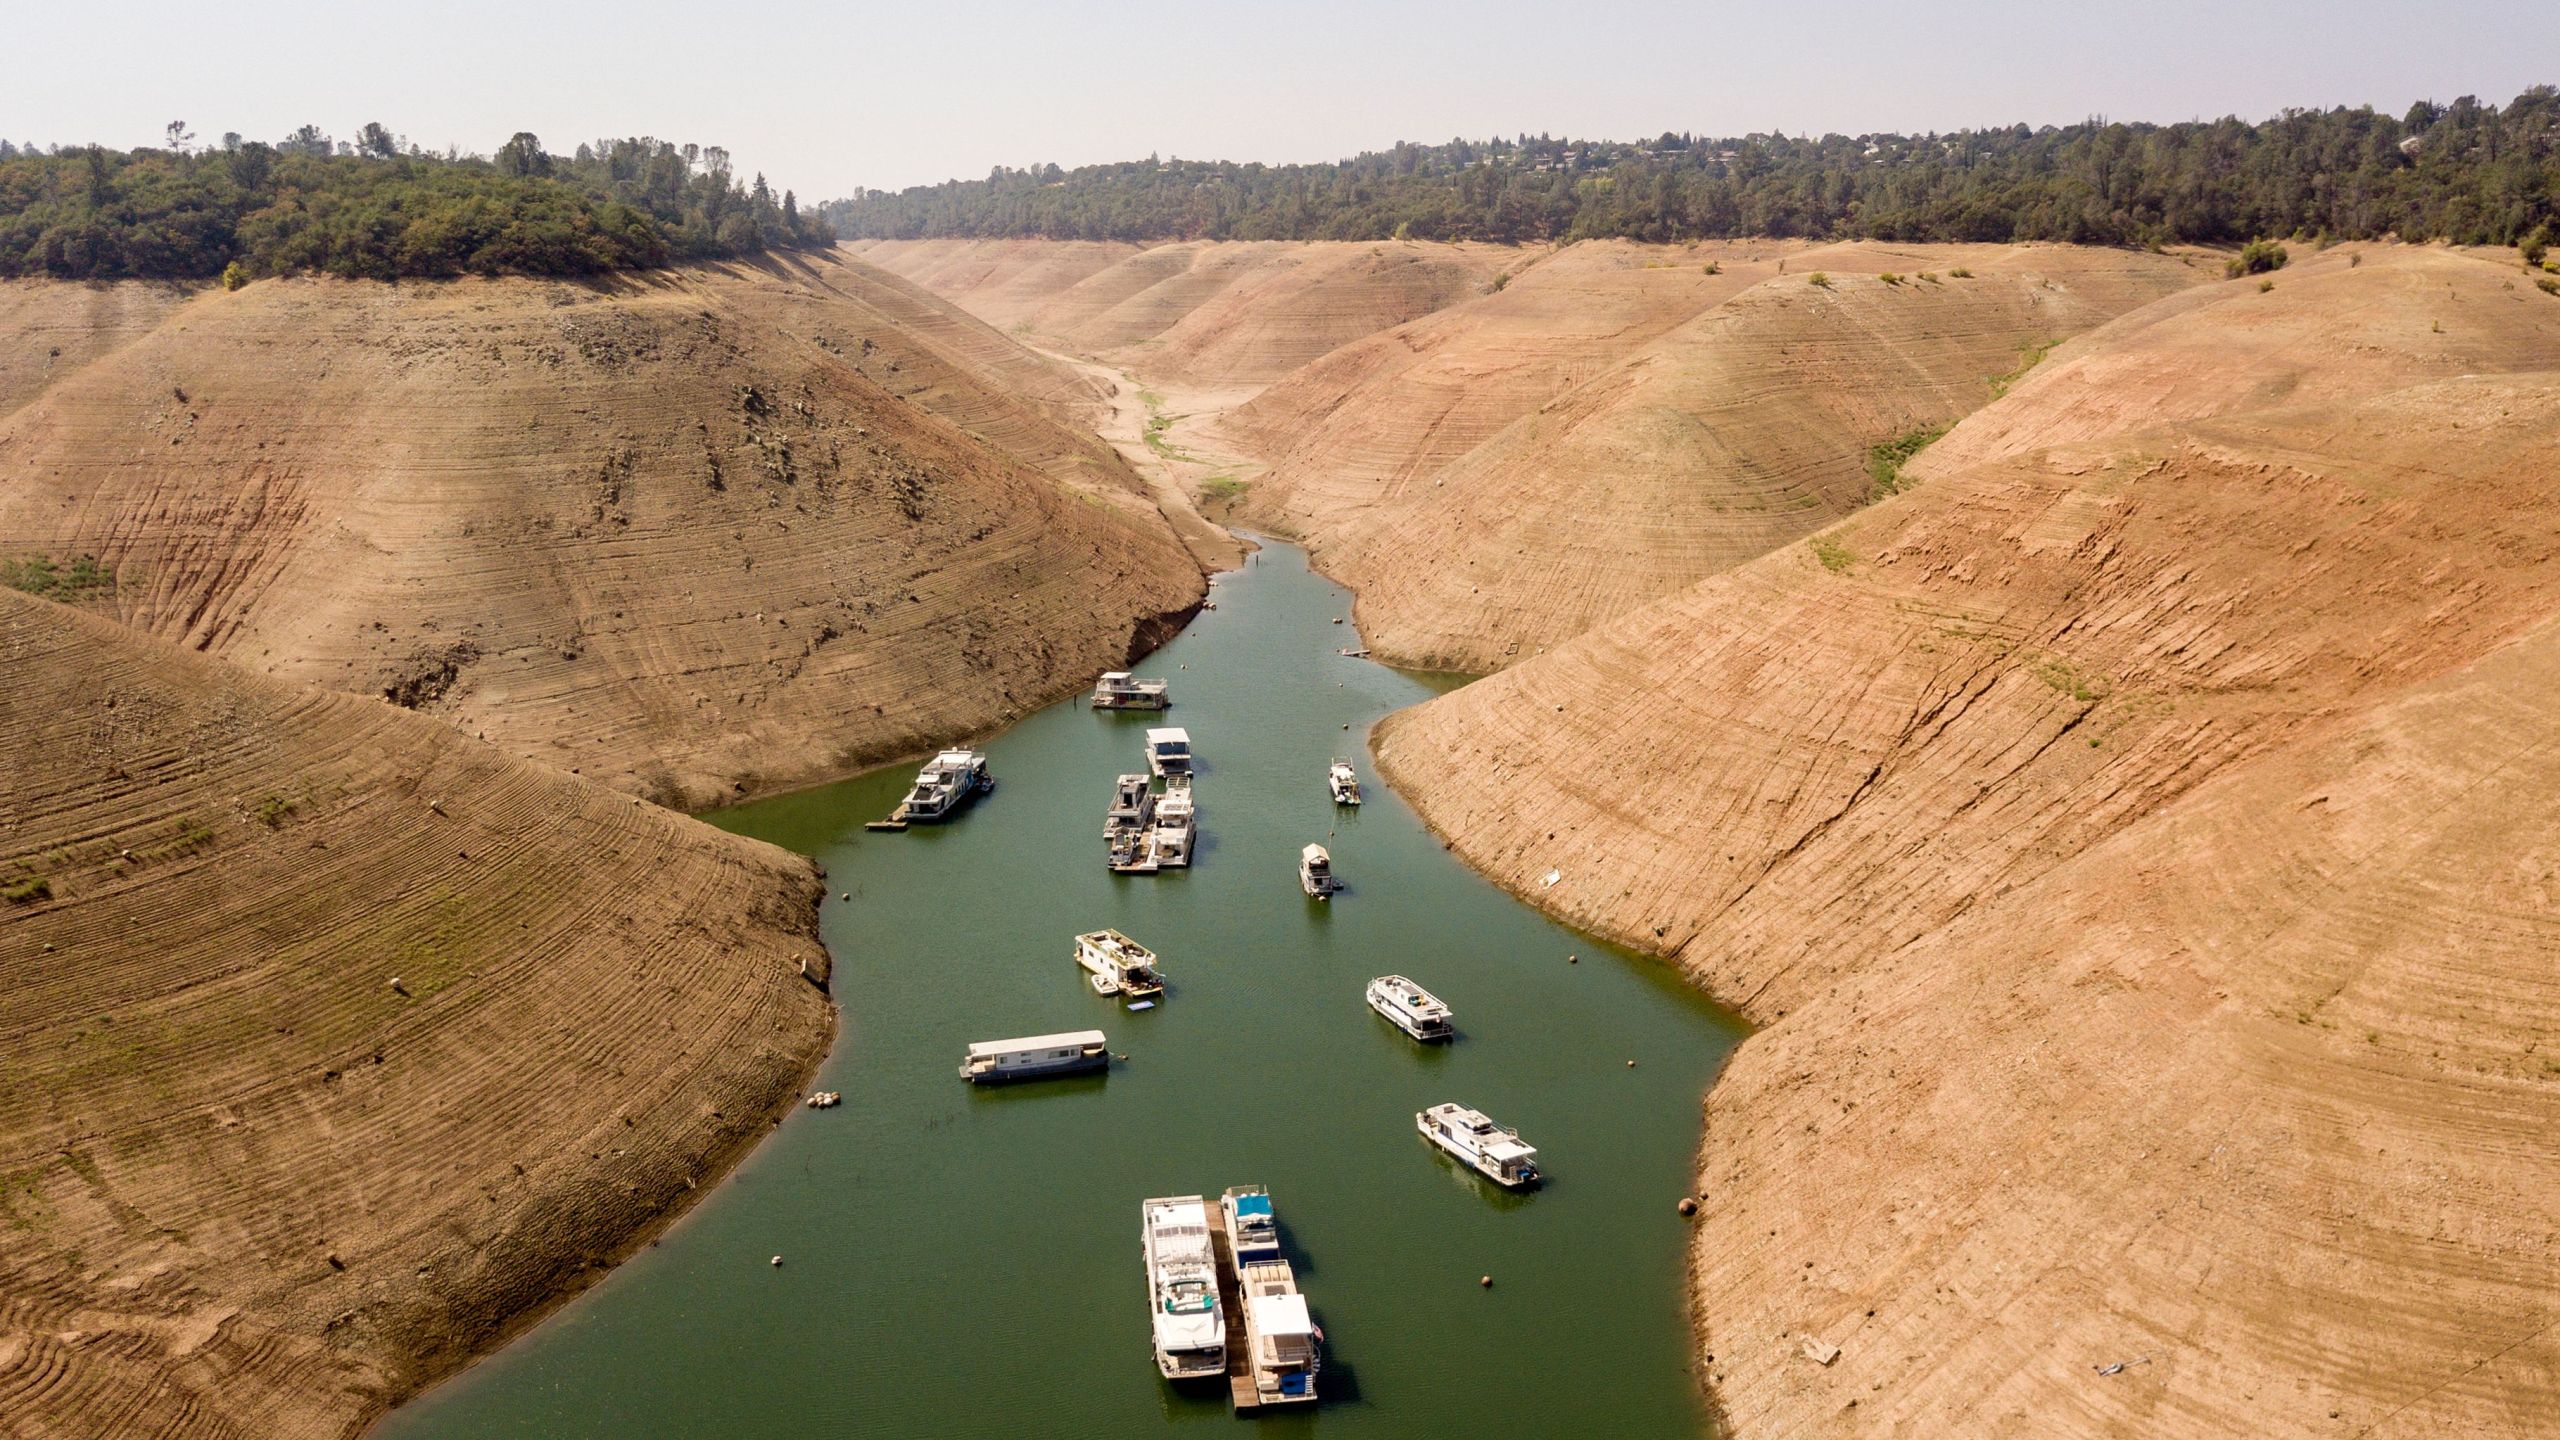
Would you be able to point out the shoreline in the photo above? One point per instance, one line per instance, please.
(662, 1223)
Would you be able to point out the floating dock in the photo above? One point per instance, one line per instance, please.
(1240, 1388)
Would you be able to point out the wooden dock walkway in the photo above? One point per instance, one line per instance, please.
(1240, 1389)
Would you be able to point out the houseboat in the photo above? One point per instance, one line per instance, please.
(1280, 1336)
(1253, 1231)
(1169, 752)
(948, 782)
(1035, 1057)
(1125, 825)
(1114, 964)
(1344, 782)
(1177, 821)
(1412, 1009)
(1489, 1149)
(1315, 872)
(1182, 1288)
(1119, 690)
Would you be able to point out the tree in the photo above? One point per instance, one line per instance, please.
(309, 140)
(179, 135)
(375, 142)
(522, 156)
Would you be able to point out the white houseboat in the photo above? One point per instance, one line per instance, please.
(1280, 1336)
(1315, 872)
(1491, 1150)
(1120, 690)
(1344, 782)
(1114, 964)
(1035, 1057)
(947, 782)
(1182, 1288)
(1253, 1231)
(1169, 752)
(1177, 821)
(1125, 825)
(1412, 1009)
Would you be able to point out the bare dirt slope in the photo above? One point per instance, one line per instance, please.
(2138, 851)
(247, 1187)
(1617, 424)
(1198, 313)
(53, 329)
(693, 534)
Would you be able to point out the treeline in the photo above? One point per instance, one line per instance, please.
(379, 208)
(2472, 173)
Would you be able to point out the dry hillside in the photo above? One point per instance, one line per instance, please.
(249, 1185)
(2138, 850)
(1197, 314)
(1617, 424)
(692, 533)
(1564, 434)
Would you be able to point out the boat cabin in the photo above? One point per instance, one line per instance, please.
(1169, 752)
(1034, 1056)
(1120, 690)
(1315, 872)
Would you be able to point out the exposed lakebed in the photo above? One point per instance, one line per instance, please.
(965, 1262)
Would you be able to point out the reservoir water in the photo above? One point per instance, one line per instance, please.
(963, 1262)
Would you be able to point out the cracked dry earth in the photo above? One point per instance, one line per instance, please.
(2136, 842)
(335, 1045)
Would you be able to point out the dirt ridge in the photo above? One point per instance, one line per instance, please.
(338, 1045)
(2134, 841)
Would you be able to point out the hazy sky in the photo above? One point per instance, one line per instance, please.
(824, 97)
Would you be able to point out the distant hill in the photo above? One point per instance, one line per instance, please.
(2472, 173)
(376, 209)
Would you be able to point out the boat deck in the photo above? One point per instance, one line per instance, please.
(1240, 1389)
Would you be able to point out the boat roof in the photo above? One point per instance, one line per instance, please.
(1314, 852)
(1173, 736)
(956, 757)
(1250, 1203)
(1115, 674)
(1282, 1315)
(1059, 1041)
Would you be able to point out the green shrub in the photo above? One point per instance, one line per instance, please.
(2536, 242)
(1835, 557)
(39, 575)
(1714, 267)
(2547, 285)
(1960, 273)
(26, 890)
(1818, 278)
(1885, 461)
(2265, 285)
(233, 277)
(2256, 258)
(1890, 278)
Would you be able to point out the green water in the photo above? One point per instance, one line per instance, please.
(964, 1262)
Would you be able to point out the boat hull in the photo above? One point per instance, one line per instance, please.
(1081, 1065)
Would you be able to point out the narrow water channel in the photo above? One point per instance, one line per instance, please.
(963, 1262)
